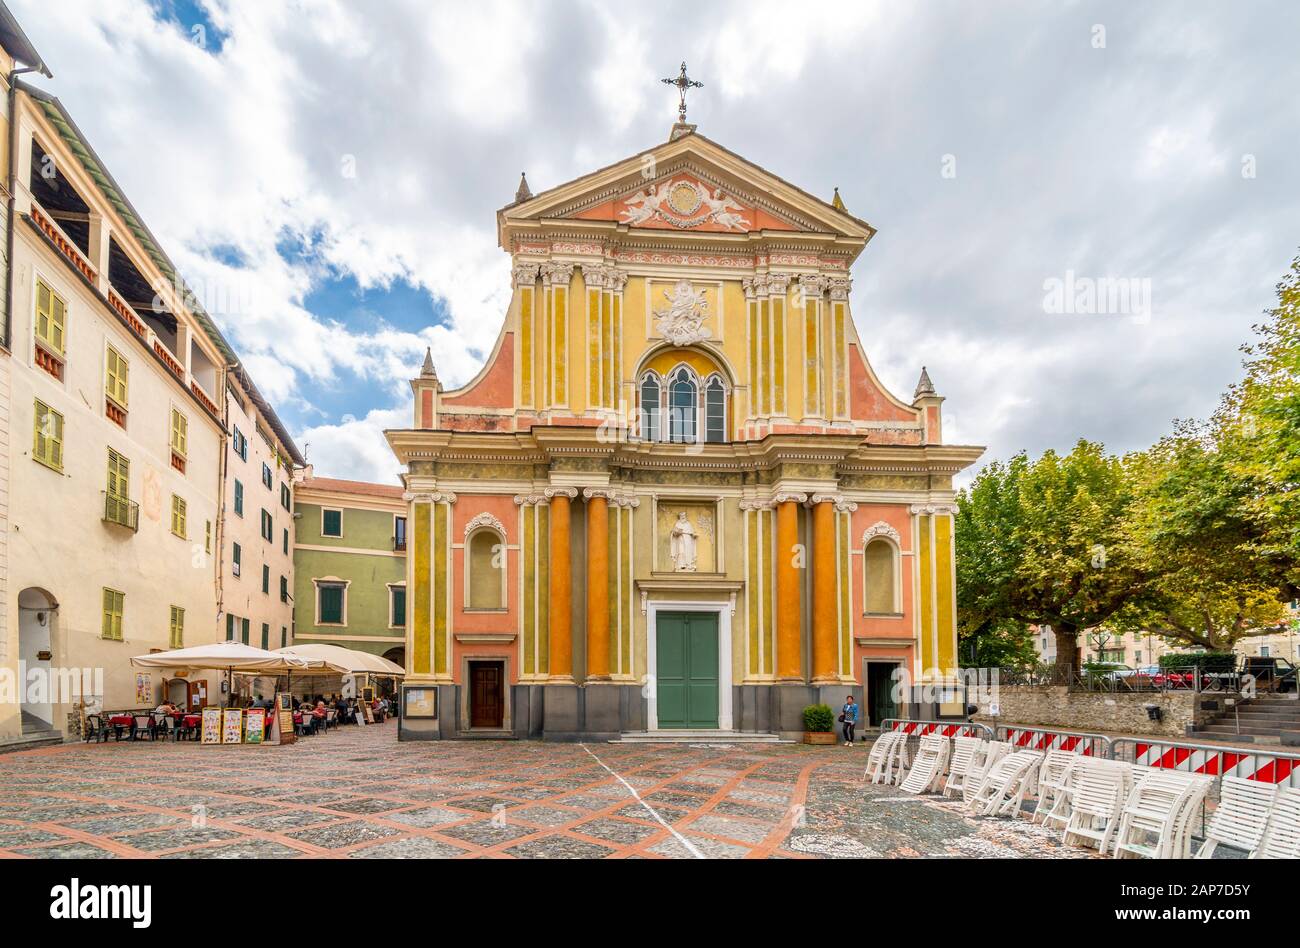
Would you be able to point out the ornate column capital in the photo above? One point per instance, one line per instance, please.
(756, 504)
(604, 493)
(417, 497)
(525, 274)
(557, 274)
(568, 493)
(933, 509)
(814, 284)
(595, 275)
(842, 503)
(443, 497)
(630, 501)
(839, 287)
(778, 284)
(530, 500)
(781, 497)
(615, 279)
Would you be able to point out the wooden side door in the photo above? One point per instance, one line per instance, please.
(487, 695)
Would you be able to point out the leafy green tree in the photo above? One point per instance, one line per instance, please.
(1258, 428)
(1041, 542)
(998, 643)
(1194, 529)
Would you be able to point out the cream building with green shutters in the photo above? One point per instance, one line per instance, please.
(255, 594)
(113, 394)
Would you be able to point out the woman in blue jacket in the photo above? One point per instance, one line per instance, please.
(849, 718)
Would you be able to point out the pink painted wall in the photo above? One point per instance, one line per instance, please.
(504, 508)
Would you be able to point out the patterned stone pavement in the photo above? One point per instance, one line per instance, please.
(357, 792)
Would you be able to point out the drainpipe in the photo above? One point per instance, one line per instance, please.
(11, 180)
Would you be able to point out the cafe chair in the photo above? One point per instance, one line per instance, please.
(144, 723)
(95, 729)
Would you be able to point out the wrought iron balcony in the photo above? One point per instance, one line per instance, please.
(121, 511)
(399, 544)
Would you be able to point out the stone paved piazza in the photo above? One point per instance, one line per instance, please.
(357, 792)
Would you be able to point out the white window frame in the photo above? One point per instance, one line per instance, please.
(339, 511)
(391, 614)
(317, 581)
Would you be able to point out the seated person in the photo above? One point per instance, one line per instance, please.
(165, 708)
(319, 711)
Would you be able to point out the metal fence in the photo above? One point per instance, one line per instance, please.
(1045, 739)
(1187, 679)
(917, 729)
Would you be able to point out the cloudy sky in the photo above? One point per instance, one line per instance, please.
(326, 175)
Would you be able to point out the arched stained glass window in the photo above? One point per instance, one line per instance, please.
(715, 411)
(683, 395)
(651, 430)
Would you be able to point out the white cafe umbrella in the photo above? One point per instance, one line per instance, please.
(345, 661)
(229, 657)
(225, 656)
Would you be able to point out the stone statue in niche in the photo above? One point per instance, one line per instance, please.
(682, 545)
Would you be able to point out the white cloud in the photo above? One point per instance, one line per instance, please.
(1116, 162)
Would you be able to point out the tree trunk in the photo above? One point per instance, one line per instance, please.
(1068, 653)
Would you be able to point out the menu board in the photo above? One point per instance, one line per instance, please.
(254, 725)
(285, 714)
(232, 725)
(211, 733)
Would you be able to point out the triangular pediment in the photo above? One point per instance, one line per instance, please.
(689, 185)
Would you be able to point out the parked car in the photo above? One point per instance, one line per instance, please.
(1271, 673)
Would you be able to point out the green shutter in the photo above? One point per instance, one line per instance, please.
(332, 525)
(399, 606)
(331, 605)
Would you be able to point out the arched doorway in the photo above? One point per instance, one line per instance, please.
(37, 614)
(397, 655)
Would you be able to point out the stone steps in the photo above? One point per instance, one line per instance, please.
(698, 737)
(31, 741)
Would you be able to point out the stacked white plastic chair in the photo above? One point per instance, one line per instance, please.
(1241, 817)
(966, 752)
(1054, 787)
(1098, 789)
(1004, 787)
(1163, 804)
(883, 751)
(927, 771)
(1282, 835)
(977, 772)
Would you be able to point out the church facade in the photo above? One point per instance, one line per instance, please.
(676, 497)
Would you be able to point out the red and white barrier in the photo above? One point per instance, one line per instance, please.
(1086, 745)
(1266, 768)
(922, 728)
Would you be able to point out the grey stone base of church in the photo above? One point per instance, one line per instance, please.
(603, 712)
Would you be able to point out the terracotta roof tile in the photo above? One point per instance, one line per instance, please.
(350, 487)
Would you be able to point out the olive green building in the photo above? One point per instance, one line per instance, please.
(350, 565)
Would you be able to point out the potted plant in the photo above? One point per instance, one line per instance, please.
(818, 724)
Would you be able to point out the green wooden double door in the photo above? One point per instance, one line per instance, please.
(686, 669)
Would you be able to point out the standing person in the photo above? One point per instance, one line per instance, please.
(849, 719)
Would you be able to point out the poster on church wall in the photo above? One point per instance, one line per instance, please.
(254, 725)
(144, 689)
(232, 725)
(211, 733)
